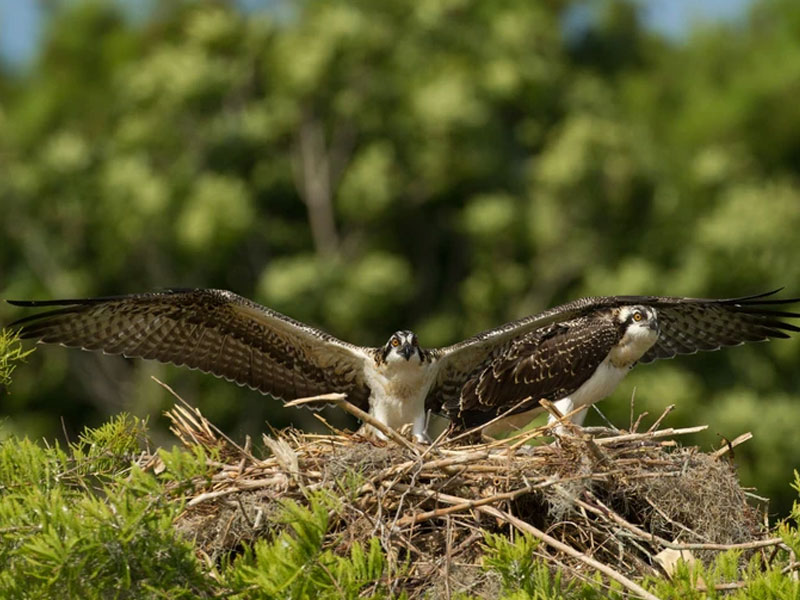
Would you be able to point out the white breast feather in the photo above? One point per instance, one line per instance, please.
(398, 391)
(604, 380)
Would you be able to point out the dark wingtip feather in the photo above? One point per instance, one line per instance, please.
(26, 329)
(762, 294)
(785, 326)
(755, 310)
(80, 301)
(101, 299)
(760, 299)
(71, 305)
(780, 334)
(62, 302)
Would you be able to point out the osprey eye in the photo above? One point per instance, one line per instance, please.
(637, 316)
(395, 342)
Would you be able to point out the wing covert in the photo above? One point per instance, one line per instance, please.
(459, 362)
(551, 362)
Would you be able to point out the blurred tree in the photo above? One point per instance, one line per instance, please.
(438, 164)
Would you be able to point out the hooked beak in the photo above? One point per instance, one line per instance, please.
(406, 351)
(654, 326)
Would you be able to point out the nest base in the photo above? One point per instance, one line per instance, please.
(608, 502)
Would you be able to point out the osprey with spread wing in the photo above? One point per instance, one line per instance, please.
(573, 355)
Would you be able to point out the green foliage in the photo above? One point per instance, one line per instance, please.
(80, 524)
(11, 353)
(295, 565)
(727, 578)
(791, 533)
(525, 576)
(183, 465)
(516, 564)
(105, 450)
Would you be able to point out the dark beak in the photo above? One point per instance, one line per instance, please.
(654, 325)
(406, 351)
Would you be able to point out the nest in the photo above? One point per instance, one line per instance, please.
(599, 501)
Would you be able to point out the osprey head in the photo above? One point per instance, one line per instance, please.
(639, 323)
(402, 345)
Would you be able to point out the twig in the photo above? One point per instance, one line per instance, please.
(663, 416)
(721, 587)
(607, 512)
(520, 439)
(324, 421)
(465, 505)
(791, 567)
(635, 427)
(739, 439)
(448, 557)
(210, 496)
(561, 419)
(662, 433)
(214, 427)
(497, 419)
(526, 436)
(340, 400)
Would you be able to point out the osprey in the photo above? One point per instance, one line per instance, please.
(573, 363)
(573, 355)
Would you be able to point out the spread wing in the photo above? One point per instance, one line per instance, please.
(214, 331)
(687, 325)
(551, 362)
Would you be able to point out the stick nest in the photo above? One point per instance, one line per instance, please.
(608, 502)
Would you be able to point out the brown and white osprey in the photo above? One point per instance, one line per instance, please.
(573, 355)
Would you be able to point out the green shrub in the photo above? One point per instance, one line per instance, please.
(294, 564)
(84, 523)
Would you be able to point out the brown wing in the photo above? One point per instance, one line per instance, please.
(462, 361)
(687, 325)
(211, 330)
(547, 363)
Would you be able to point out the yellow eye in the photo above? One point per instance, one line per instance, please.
(395, 342)
(637, 316)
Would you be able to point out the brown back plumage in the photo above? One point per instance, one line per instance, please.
(546, 363)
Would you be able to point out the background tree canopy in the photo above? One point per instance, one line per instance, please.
(439, 165)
